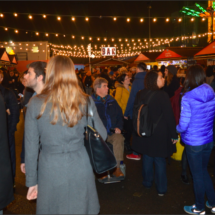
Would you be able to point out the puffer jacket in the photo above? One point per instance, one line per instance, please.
(122, 96)
(197, 116)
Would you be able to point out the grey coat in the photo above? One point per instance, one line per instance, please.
(62, 169)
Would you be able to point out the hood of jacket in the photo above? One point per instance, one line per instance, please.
(203, 93)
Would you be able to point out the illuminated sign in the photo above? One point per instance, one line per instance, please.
(108, 51)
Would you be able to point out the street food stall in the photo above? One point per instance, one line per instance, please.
(178, 56)
(207, 54)
(148, 58)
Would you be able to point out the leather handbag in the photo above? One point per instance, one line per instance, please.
(101, 157)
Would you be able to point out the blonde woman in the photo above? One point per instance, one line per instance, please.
(60, 176)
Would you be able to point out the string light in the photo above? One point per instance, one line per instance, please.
(58, 18)
(73, 37)
(141, 20)
(37, 33)
(128, 19)
(16, 31)
(105, 39)
(192, 19)
(44, 16)
(56, 35)
(167, 19)
(6, 29)
(180, 19)
(73, 18)
(90, 38)
(154, 20)
(2, 15)
(98, 39)
(82, 38)
(87, 19)
(112, 40)
(203, 19)
(47, 35)
(15, 14)
(114, 19)
(30, 17)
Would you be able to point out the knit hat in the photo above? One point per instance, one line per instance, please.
(172, 69)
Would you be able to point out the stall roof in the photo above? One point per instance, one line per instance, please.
(4, 56)
(12, 59)
(206, 52)
(109, 62)
(147, 57)
(177, 53)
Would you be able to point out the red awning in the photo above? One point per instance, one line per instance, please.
(208, 50)
(141, 57)
(166, 54)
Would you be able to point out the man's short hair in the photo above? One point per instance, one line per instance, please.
(39, 68)
(141, 66)
(98, 83)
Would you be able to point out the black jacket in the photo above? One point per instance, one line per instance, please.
(159, 144)
(6, 181)
(172, 87)
(11, 104)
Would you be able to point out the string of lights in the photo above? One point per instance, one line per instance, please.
(114, 18)
(106, 39)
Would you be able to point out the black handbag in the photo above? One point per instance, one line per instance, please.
(101, 157)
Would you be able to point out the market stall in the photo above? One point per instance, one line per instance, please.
(207, 54)
(180, 56)
(148, 58)
(4, 58)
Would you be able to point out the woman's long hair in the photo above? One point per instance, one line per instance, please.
(169, 78)
(63, 92)
(195, 77)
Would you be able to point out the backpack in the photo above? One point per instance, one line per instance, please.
(142, 120)
(88, 81)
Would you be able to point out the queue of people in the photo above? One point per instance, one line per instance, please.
(55, 109)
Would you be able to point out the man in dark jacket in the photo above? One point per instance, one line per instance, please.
(6, 180)
(137, 85)
(112, 118)
(12, 109)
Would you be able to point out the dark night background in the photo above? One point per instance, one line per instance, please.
(97, 27)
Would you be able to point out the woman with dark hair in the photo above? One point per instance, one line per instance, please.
(209, 75)
(172, 82)
(161, 143)
(196, 128)
(123, 90)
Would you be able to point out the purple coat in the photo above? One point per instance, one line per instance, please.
(197, 116)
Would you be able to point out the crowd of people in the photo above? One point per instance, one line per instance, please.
(53, 98)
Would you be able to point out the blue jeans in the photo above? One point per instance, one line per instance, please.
(160, 173)
(198, 157)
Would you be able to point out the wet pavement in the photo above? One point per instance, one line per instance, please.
(127, 197)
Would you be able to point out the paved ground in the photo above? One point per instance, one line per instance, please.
(127, 197)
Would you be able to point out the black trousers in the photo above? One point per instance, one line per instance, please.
(128, 127)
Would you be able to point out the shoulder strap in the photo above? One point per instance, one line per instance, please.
(89, 112)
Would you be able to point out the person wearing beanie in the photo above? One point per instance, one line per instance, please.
(171, 80)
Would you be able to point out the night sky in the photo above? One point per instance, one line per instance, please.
(96, 27)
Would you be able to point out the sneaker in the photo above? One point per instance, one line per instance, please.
(209, 206)
(160, 194)
(133, 157)
(193, 210)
